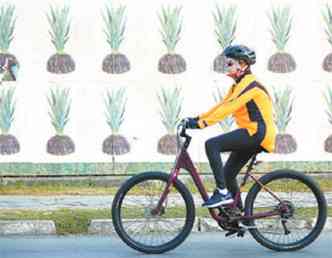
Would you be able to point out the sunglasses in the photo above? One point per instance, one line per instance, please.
(230, 63)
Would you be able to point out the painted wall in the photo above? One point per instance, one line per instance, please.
(143, 46)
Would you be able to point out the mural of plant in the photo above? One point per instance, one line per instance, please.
(59, 103)
(7, 27)
(115, 25)
(225, 20)
(228, 122)
(115, 105)
(328, 100)
(283, 105)
(58, 19)
(170, 102)
(171, 24)
(8, 143)
(281, 23)
(327, 16)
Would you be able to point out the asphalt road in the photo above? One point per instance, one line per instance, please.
(200, 245)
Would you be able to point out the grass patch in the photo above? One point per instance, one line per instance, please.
(51, 189)
(325, 185)
(92, 188)
(67, 221)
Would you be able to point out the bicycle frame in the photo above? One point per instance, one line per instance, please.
(183, 161)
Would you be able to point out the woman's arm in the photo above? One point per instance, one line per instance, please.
(206, 114)
(226, 108)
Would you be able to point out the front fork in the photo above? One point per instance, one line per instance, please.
(160, 209)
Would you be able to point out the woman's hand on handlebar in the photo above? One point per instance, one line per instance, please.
(190, 122)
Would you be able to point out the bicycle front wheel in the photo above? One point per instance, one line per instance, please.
(137, 224)
(303, 210)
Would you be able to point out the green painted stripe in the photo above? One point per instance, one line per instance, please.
(31, 169)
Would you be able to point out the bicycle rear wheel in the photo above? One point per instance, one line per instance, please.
(303, 211)
(135, 221)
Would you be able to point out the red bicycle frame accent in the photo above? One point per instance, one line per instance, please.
(183, 161)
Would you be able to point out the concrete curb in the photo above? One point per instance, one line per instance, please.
(105, 226)
(101, 227)
(27, 227)
(210, 225)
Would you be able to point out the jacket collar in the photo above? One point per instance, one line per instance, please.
(247, 71)
(237, 88)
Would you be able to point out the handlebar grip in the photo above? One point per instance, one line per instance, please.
(183, 132)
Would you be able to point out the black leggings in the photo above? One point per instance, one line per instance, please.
(242, 147)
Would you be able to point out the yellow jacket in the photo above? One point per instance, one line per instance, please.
(252, 109)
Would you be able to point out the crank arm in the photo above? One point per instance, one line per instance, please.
(247, 227)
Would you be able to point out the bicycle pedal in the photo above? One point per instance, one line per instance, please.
(230, 233)
(240, 233)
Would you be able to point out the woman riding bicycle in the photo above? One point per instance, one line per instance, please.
(251, 105)
(275, 211)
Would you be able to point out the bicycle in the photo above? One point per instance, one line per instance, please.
(154, 212)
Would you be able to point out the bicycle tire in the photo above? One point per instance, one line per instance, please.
(118, 223)
(321, 202)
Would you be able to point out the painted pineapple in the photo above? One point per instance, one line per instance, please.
(171, 24)
(115, 104)
(328, 99)
(58, 19)
(227, 123)
(225, 22)
(59, 102)
(281, 23)
(8, 143)
(327, 16)
(283, 105)
(170, 101)
(115, 25)
(7, 27)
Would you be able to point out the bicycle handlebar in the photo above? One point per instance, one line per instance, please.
(182, 127)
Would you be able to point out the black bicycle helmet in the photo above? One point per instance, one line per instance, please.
(240, 52)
